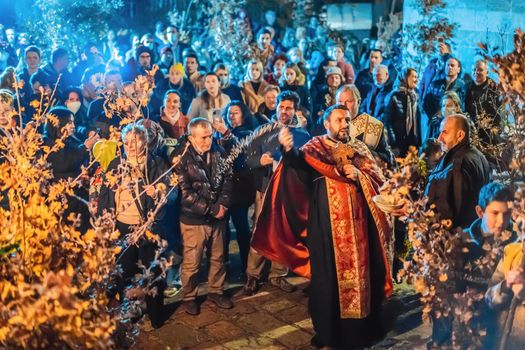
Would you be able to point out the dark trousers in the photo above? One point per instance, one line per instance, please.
(239, 217)
(128, 261)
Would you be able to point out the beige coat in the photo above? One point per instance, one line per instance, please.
(252, 98)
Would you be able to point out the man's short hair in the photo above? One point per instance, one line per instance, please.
(290, 95)
(376, 50)
(271, 87)
(458, 61)
(263, 31)
(58, 54)
(494, 192)
(462, 122)
(190, 54)
(195, 122)
(333, 108)
(380, 66)
(349, 87)
(33, 48)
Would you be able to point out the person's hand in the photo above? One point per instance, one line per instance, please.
(266, 159)
(443, 49)
(350, 171)
(219, 126)
(515, 280)
(221, 213)
(286, 139)
(150, 190)
(91, 140)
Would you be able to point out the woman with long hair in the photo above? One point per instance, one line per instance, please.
(236, 120)
(172, 120)
(294, 80)
(253, 86)
(211, 101)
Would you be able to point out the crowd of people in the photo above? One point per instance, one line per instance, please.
(198, 112)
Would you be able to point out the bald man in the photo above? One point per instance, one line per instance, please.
(455, 183)
(482, 97)
(454, 187)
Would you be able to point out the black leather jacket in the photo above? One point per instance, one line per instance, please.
(203, 186)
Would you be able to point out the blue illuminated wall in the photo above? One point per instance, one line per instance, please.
(490, 21)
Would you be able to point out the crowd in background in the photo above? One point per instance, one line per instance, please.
(293, 81)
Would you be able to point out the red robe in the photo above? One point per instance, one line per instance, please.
(282, 226)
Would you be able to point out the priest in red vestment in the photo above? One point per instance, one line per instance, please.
(319, 219)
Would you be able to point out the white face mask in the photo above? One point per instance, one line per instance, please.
(73, 106)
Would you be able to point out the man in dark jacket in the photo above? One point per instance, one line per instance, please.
(435, 69)
(455, 183)
(261, 157)
(365, 78)
(205, 198)
(55, 72)
(438, 87)
(378, 98)
(482, 101)
(140, 66)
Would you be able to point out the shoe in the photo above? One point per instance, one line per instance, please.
(220, 300)
(282, 284)
(170, 292)
(191, 307)
(251, 286)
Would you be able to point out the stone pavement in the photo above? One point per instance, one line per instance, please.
(271, 319)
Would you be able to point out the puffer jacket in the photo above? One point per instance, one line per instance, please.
(203, 186)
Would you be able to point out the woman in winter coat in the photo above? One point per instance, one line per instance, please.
(67, 162)
(236, 128)
(172, 120)
(211, 101)
(402, 115)
(253, 86)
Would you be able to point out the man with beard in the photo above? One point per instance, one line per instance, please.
(262, 156)
(363, 126)
(332, 232)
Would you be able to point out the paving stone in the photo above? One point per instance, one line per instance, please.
(208, 346)
(263, 296)
(180, 336)
(289, 336)
(239, 308)
(254, 343)
(206, 317)
(278, 305)
(294, 314)
(306, 325)
(147, 343)
(259, 322)
(224, 330)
